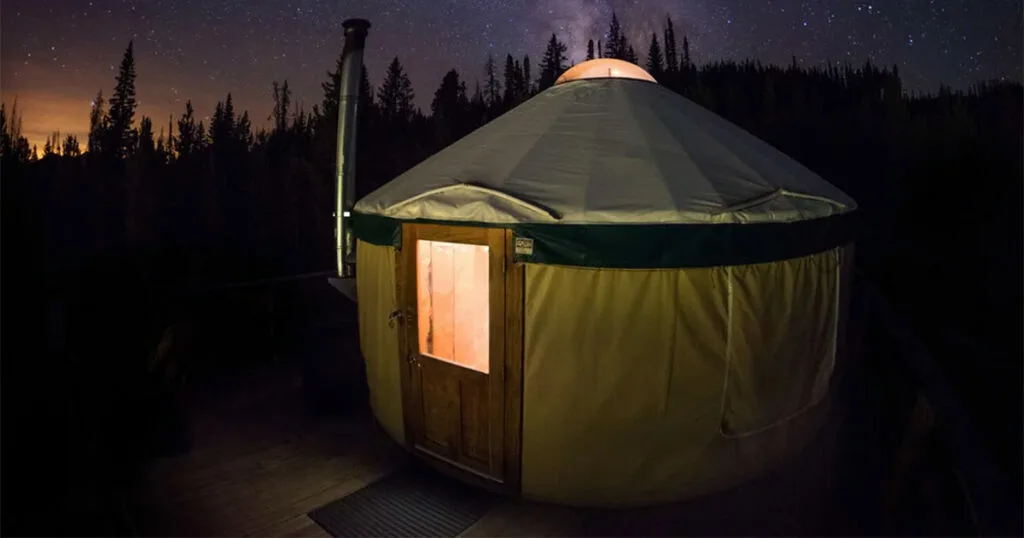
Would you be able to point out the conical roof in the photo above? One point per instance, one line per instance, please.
(608, 151)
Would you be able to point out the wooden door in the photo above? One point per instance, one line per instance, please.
(453, 294)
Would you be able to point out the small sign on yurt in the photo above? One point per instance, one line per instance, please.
(524, 246)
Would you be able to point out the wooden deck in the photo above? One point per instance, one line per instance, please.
(258, 463)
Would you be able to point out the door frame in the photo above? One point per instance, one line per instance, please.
(513, 319)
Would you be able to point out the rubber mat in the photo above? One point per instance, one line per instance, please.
(412, 501)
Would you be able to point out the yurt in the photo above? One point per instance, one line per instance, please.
(608, 296)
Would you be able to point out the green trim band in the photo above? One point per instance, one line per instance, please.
(651, 246)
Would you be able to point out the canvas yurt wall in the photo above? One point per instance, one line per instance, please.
(650, 386)
(376, 281)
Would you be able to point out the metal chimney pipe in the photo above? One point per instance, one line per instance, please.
(348, 110)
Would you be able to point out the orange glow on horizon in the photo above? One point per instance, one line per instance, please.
(45, 112)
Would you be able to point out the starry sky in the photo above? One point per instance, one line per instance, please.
(57, 54)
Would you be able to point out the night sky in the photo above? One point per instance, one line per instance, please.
(56, 54)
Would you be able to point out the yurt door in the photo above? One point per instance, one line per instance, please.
(453, 291)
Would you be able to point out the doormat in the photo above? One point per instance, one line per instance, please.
(412, 501)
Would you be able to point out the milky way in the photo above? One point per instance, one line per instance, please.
(57, 54)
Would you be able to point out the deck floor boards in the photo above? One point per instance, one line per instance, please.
(257, 466)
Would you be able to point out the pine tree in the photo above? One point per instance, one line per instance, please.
(328, 113)
(686, 64)
(600, 49)
(22, 150)
(282, 103)
(396, 95)
(6, 144)
(367, 99)
(98, 121)
(48, 148)
(216, 129)
(332, 90)
(327, 124)
(618, 46)
(631, 56)
(449, 108)
(478, 96)
(14, 144)
(671, 52)
(10, 131)
(188, 132)
(229, 112)
(492, 86)
(71, 148)
(526, 87)
(202, 137)
(223, 129)
(517, 78)
(511, 75)
(122, 107)
(655, 61)
(553, 63)
(301, 125)
(147, 146)
(451, 96)
(478, 105)
(614, 47)
(161, 147)
(367, 113)
(590, 49)
(243, 131)
(170, 137)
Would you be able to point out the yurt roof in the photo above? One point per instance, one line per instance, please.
(605, 151)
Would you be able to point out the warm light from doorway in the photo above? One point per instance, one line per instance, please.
(453, 283)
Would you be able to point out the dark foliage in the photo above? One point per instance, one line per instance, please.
(553, 63)
(655, 59)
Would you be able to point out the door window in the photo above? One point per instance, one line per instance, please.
(452, 296)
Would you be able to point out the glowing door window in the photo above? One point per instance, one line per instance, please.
(453, 286)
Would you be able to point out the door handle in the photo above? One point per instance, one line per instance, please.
(395, 317)
(399, 316)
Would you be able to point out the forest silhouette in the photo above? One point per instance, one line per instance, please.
(119, 226)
